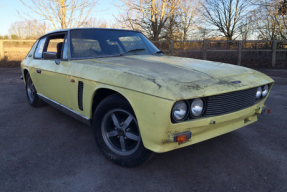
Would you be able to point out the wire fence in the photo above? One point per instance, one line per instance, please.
(267, 54)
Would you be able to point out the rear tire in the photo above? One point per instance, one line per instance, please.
(117, 133)
(31, 92)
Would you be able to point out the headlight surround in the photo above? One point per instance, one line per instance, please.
(259, 93)
(265, 90)
(179, 111)
(196, 108)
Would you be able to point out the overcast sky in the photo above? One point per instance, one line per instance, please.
(8, 13)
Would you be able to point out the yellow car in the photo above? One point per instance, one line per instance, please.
(137, 100)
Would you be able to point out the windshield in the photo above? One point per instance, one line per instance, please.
(92, 43)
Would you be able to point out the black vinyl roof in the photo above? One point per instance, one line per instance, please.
(70, 29)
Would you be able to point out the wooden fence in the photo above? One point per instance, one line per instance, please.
(266, 46)
(271, 52)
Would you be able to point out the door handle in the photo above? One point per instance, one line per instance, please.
(38, 71)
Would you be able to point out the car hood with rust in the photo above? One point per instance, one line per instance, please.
(168, 76)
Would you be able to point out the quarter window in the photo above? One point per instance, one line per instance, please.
(65, 51)
(32, 49)
(40, 47)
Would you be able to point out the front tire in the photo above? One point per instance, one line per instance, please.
(117, 133)
(31, 92)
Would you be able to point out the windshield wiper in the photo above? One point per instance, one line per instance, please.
(158, 52)
(133, 50)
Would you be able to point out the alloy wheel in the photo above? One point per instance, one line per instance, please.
(120, 132)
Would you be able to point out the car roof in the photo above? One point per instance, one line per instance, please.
(69, 29)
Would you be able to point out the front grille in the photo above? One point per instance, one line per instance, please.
(229, 102)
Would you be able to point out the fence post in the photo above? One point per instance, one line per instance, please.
(239, 53)
(2, 57)
(171, 48)
(274, 47)
(204, 50)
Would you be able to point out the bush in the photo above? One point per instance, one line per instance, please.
(14, 37)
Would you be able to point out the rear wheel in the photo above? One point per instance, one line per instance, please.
(31, 92)
(117, 132)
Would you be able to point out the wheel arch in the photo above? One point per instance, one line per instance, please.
(103, 92)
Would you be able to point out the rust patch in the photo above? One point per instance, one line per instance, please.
(170, 136)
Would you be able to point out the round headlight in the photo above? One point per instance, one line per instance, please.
(258, 93)
(265, 90)
(179, 110)
(196, 107)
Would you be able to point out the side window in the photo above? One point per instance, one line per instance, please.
(65, 50)
(40, 47)
(31, 50)
(55, 45)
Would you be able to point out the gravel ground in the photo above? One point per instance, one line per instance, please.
(45, 150)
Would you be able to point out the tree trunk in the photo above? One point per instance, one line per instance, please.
(62, 4)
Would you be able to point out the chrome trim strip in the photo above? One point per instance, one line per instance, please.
(66, 110)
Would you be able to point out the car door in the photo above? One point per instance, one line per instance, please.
(52, 72)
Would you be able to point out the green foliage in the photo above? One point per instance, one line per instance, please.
(31, 38)
(1, 37)
(6, 37)
(14, 37)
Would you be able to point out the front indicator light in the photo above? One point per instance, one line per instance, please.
(182, 137)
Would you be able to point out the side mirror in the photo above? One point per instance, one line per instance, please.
(50, 55)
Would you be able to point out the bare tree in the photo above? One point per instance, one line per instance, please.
(171, 27)
(61, 13)
(16, 28)
(29, 29)
(272, 19)
(182, 21)
(247, 27)
(189, 11)
(94, 22)
(226, 15)
(150, 15)
(125, 20)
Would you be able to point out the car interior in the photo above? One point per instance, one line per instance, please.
(55, 44)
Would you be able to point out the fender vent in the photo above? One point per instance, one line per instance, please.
(80, 95)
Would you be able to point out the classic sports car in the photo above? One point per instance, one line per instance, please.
(137, 100)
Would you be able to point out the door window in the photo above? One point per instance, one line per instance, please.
(55, 45)
(40, 47)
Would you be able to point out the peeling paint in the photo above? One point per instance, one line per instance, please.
(151, 84)
(170, 136)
